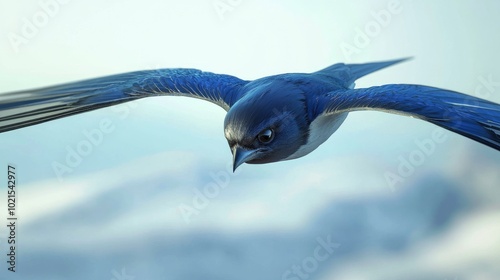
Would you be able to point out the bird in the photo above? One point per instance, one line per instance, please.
(270, 119)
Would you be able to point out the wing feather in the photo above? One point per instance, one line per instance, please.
(21, 109)
(469, 116)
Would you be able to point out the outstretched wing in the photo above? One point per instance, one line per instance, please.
(20, 109)
(469, 116)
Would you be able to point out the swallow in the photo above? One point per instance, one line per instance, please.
(271, 119)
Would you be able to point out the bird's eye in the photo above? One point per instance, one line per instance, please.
(266, 136)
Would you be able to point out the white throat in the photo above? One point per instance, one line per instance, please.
(319, 131)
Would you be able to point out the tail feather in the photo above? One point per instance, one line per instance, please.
(351, 72)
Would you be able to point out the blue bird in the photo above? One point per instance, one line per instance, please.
(271, 119)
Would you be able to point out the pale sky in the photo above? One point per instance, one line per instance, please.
(161, 151)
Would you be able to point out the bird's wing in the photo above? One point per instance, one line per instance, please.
(346, 74)
(20, 109)
(472, 117)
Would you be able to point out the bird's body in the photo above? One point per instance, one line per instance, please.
(274, 97)
(270, 119)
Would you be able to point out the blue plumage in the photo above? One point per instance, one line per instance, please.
(270, 119)
(469, 116)
(20, 109)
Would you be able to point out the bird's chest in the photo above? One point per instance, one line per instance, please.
(319, 131)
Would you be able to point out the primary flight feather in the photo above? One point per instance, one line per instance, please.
(270, 119)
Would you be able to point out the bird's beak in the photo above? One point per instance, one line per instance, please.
(242, 155)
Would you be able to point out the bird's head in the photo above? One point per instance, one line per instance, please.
(267, 125)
